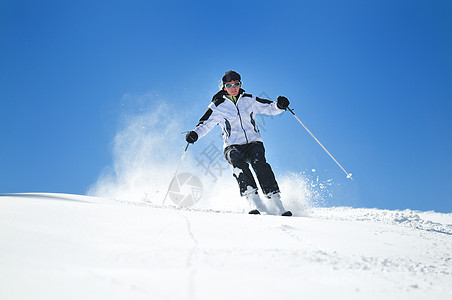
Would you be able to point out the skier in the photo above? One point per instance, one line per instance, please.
(235, 111)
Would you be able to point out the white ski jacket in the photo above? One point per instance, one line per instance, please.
(237, 120)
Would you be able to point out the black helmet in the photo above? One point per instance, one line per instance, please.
(231, 75)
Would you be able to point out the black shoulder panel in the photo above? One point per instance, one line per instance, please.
(247, 95)
(218, 101)
(218, 98)
(265, 101)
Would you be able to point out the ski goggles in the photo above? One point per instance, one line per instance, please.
(236, 84)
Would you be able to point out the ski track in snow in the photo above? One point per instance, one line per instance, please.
(93, 248)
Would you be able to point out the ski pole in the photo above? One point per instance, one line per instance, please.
(349, 175)
(175, 173)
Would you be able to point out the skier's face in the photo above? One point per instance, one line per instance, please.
(234, 89)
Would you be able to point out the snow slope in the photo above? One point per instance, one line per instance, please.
(57, 246)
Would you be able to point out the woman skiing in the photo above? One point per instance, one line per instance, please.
(235, 111)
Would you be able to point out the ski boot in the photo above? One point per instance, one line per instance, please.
(275, 198)
(255, 202)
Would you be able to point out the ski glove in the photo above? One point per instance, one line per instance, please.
(283, 102)
(191, 137)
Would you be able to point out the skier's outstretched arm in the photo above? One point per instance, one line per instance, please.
(205, 125)
(264, 106)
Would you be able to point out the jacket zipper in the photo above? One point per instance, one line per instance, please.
(240, 117)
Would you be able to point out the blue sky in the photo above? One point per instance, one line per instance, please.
(371, 79)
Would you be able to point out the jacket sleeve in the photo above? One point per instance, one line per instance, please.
(268, 107)
(207, 121)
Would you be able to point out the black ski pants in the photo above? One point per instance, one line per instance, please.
(240, 157)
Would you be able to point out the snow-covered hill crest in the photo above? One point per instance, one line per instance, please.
(56, 246)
